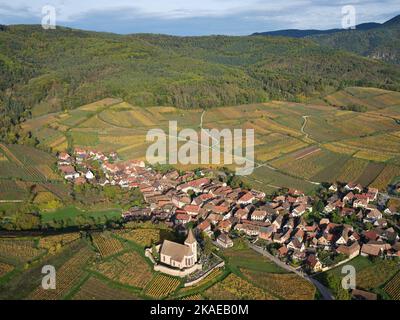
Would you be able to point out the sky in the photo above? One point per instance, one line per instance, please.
(200, 17)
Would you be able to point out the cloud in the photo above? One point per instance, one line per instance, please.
(186, 17)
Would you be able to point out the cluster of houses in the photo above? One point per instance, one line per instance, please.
(194, 200)
(79, 168)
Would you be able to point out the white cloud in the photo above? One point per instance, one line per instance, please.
(261, 14)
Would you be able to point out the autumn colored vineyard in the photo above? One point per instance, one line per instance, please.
(52, 243)
(67, 276)
(95, 289)
(161, 286)
(106, 244)
(286, 286)
(5, 268)
(392, 288)
(130, 269)
(235, 288)
(144, 237)
(19, 250)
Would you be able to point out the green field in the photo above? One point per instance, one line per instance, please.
(71, 213)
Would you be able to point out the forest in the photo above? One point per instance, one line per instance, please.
(43, 71)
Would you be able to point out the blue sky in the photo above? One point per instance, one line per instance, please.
(201, 17)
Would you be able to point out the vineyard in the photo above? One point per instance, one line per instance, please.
(9, 190)
(54, 243)
(19, 250)
(161, 286)
(5, 268)
(95, 289)
(67, 277)
(286, 286)
(129, 269)
(375, 275)
(235, 288)
(27, 163)
(144, 237)
(193, 297)
(392, 288)
(106, 244)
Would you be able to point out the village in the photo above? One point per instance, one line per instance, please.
(311, 233)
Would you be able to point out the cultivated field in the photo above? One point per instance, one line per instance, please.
(332, 144)
(235, 288)
(5, 268)
(143, 237)
(392, 288)
(161, 286)
(67, 277)
(129, 269)
(106, 244)
(284, 286)
(18, 250)
(96, 289)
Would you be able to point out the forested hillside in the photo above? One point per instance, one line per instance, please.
(48, 70)
(382, 43)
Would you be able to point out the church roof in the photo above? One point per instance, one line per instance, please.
(176, 251)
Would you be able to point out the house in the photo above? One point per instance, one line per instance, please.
(372, 193)
(182, 218)
(204, 226)
(374, 214)
(225, 225)
(180, 200)
(353, 187)
(224, 241)
(333, 188)
(360, 203)
(247, 198)
(248, 229)
(296, 245)
(283, 251)
(295, 192)
(350, 251)
(89, 175)
(278, 221)
(192, 209)
(348, 197)
(299, 210)
(370, 250)
(344, 237)
(179, 255)
(258, 215)
(214, 218)
(241, 214)
(313, 263)
(69, 172)
(266, 232)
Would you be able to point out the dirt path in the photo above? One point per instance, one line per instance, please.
(304, 125)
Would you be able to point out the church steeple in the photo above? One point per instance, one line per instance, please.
(190, 238)
(191, 242)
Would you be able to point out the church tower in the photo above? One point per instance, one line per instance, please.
(192, 243)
